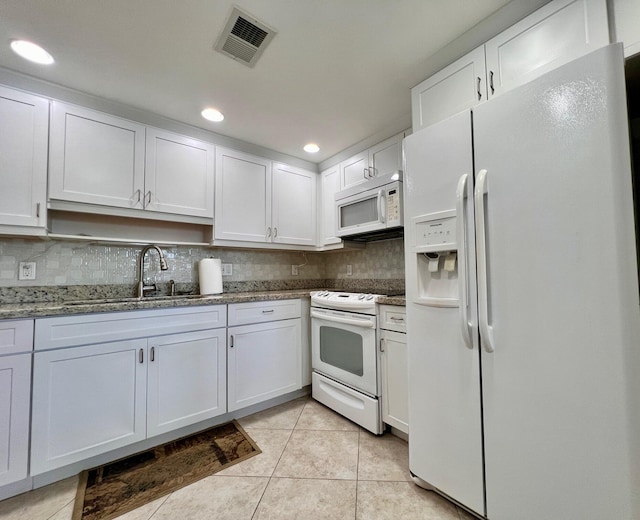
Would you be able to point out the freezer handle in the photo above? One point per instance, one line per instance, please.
(463, 283)
(486, 330)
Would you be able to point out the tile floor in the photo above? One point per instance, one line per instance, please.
(314, 465)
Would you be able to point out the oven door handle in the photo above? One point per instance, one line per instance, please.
(365, 323)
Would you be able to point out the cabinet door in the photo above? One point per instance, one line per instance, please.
(626, 15)
(178, 174)
(15, 394)
(264, 361)
(395, 401)
(87, 401)
(24, 128)
(294, 205)
(354, 170)
(329, 185)
(557, 33)
(186, 379)
(457, 87)
(95, 158)
(242, 197)
(386, 157)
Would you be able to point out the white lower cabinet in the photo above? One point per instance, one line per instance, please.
(394, 368)
(186, 379)
(16, 344)
(86, 401)
(94, 398)
(264, 358)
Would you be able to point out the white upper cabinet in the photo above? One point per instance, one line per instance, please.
(559, 32)
(355, 170)
(294, 205)
(381, 159)
(548, 38)
(243, 197)
(24, 125)
(95, 158)
(457, 87)
(626, 15)
(100, 159)
(260, 202)
(178, 174)
(329, 185)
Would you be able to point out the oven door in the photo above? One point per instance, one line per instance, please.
(343, 346)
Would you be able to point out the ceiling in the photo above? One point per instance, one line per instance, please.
(337, 72)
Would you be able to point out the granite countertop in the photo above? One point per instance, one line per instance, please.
(71, 307)
(87, 306)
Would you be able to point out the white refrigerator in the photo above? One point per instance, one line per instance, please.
(522, 301)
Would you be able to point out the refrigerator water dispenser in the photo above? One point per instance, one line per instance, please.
(434, 243)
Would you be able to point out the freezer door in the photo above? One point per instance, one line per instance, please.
(561, 304)
(445, 447)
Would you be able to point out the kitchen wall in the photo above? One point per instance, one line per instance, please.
(79, 263)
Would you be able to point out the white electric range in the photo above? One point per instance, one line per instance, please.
(344, 345)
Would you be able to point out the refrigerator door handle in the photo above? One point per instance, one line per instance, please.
(486, 330)
(463, 289)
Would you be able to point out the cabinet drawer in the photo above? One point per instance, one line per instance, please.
(71, 331)
(259, 312)
(393, 317)
(16, 336)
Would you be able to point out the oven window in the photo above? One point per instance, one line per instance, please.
(341, 349)
(358, 213)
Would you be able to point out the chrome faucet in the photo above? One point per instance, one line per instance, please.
(142, 288)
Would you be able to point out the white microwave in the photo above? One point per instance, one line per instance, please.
(372, 210)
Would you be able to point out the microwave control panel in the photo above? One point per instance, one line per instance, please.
(393, 205)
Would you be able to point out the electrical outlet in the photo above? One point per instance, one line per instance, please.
(294, 270)
(227, 269)
(349, 270)
(27, 271)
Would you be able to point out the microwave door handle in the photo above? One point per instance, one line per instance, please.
(380, 210)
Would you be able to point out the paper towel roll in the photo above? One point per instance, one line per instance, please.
(210, 272)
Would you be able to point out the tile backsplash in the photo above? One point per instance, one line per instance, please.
(78, 263)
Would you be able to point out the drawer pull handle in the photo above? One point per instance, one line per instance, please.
(268, 312)
(393, 318)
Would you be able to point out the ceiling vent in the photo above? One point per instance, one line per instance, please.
(244, 38)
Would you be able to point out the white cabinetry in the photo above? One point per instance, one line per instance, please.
(557, 33)
(16, 344)
(260, 202)
(24, 126)
(99, 159)
(394, 369)
(626, 16)
(329, 186)
(294, 212)
(381, 159)
(457, 87)
(104, 392)
(178, 174)
(264, 351)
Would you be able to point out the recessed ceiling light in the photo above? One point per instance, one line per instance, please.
(212, 115)
(311, 148)
(32, 52)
